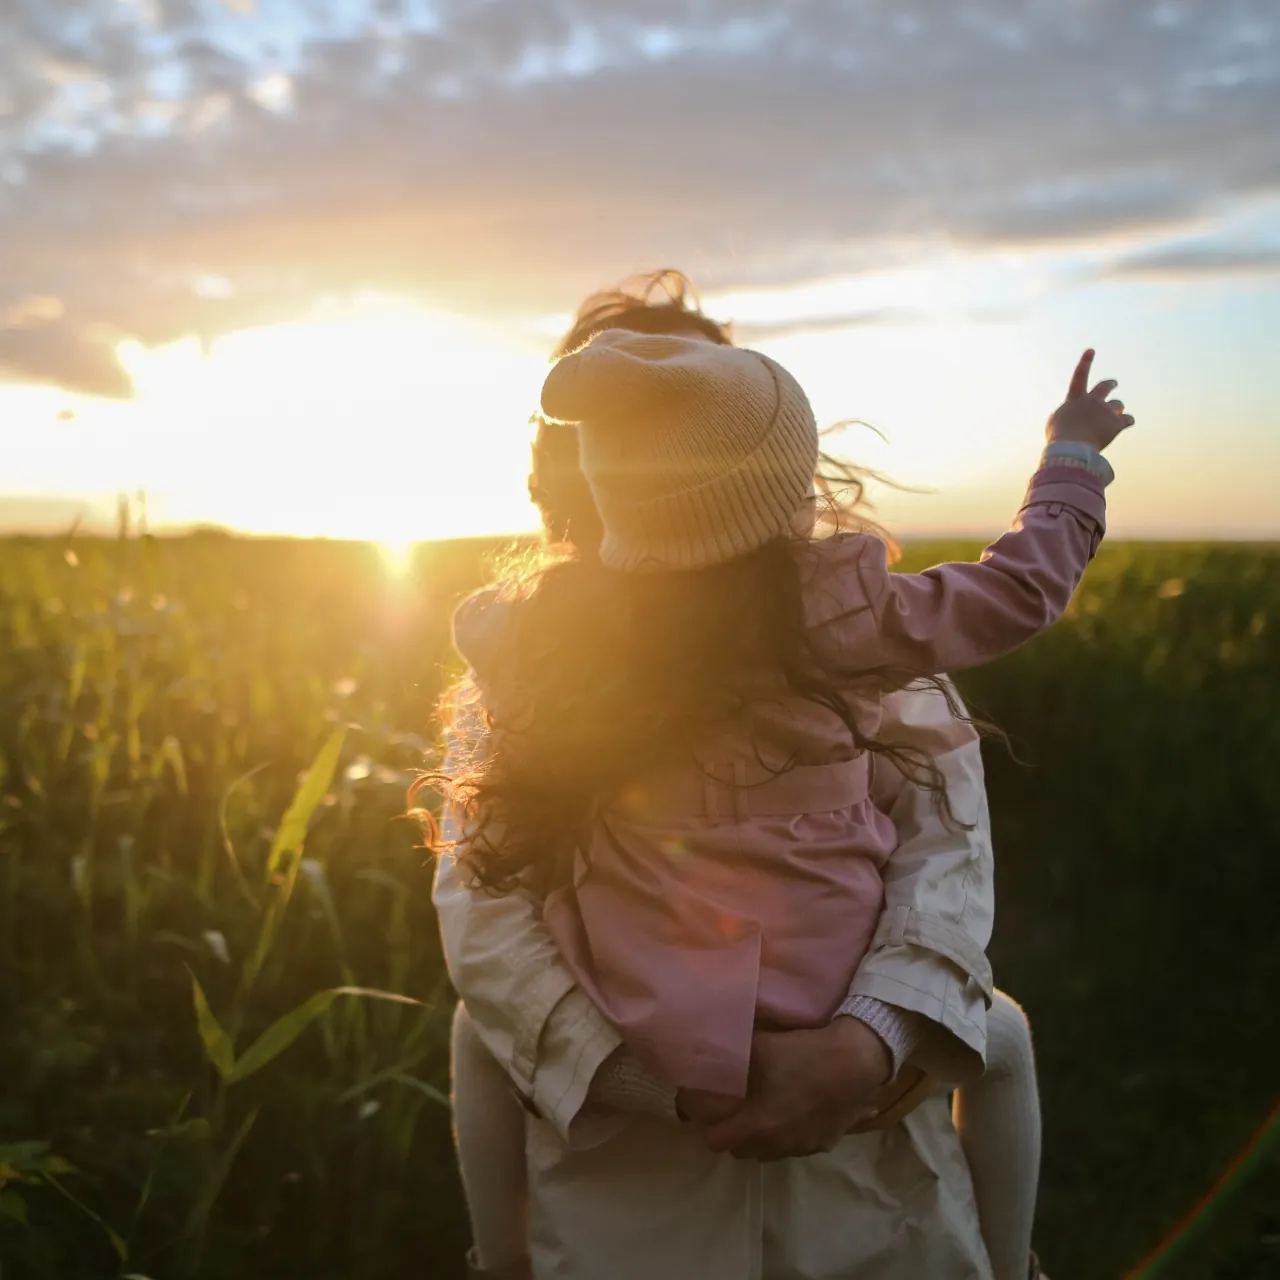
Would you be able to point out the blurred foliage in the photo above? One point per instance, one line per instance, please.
(1138, 864)
(163, 702)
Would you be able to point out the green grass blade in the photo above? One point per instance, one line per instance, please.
(293, 827)
(381, 1077)
(227, 844)
(217, 1044)
(122, 1250)
(175, 1127)
(198, 1221)
(283, 860)
(280, 1035)
(196, 1129)
(285, 1030)
(412, 1082)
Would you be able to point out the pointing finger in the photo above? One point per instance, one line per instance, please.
(1080, 378)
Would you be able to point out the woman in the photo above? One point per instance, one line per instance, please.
(896, 1202)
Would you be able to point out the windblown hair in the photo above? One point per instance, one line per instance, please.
(595, 677)
(661, 302)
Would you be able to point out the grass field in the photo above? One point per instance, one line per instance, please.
(163, 699)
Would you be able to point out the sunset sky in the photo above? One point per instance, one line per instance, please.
(296, 266)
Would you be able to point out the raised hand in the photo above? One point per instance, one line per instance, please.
(1088, 416)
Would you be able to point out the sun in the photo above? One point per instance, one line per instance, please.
(397, 554)
(380, 421)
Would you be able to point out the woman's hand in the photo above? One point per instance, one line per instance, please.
(1085, 416)
(704, 1107)
(808, 1089)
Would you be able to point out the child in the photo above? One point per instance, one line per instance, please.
(680, 736)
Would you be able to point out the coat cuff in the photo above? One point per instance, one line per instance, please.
(900, 1030)
(1060, 483)
(955, 1048)
(623, 1084)
(1075, 453)
(575, 1042)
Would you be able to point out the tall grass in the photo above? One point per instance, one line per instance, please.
(222, 1003)
(163, 702)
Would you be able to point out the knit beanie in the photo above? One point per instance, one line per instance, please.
(696, 453)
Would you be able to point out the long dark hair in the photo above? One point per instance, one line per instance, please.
(594, 677)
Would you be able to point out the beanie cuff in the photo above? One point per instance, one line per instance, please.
(731, 516)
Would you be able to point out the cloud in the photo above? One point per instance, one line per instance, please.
(510, 156)
(754, 331)
(37, 344)
(1194, 261)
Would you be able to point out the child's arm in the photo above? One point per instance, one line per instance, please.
(961, 615)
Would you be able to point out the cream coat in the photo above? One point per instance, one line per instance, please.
(625, 1196)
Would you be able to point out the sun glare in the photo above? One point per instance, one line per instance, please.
(397, 556)
(381, 422)
(953, 398)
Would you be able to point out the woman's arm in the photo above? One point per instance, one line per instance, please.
(924, 985)
(927, 959)
(542, 1029)
(928, 955)
(523, 1000)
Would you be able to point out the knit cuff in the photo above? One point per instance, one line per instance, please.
(1075, 453)
(901, 1030)
(622, 1084)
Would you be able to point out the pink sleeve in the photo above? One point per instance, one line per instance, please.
(962, 615)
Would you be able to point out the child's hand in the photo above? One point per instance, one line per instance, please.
(704, 1107)
(1088, 416)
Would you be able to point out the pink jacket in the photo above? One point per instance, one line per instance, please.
(723, 896)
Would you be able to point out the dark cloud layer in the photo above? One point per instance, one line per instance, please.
(176, 166)
(1185, 261)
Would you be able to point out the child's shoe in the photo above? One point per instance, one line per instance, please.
(521, 1269)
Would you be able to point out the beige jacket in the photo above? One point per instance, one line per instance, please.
(628, 1195)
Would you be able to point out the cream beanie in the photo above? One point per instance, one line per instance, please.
(695, 453)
